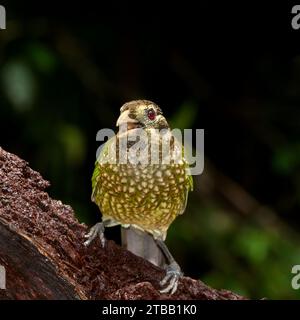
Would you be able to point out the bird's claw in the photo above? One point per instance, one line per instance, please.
(96, 230)
(173, 273)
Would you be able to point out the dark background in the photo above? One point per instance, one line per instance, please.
(231, 69)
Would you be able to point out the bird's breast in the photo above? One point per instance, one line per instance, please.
(147, 196)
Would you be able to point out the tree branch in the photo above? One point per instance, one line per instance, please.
(41, 247)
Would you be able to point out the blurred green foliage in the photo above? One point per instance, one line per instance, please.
(62, 81)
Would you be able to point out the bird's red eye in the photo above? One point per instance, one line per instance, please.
(151, 114)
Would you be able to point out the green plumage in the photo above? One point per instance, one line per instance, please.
(147, 197)
(144, 190)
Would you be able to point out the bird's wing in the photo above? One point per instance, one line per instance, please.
(189, 183)
(189, 180)
(97, 170)
(95, 178)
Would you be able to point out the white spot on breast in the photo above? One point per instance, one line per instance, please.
(168, 173)
(139, 199)
(158, 173)
(163, 204)
(144, 184)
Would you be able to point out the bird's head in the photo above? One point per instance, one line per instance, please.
(141, 114)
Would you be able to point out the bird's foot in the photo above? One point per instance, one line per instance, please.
(96, 230)
(173, 273)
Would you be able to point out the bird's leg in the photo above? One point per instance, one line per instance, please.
(97, 230)
(173, 271)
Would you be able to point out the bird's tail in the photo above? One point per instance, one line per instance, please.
(143, 245)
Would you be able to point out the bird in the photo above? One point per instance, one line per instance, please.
(143, 197)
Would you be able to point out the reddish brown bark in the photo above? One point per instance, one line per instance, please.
(41, 247)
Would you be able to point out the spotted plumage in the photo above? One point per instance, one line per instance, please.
(147, 191)
(148, 197)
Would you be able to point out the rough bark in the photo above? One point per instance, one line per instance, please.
(41, 247)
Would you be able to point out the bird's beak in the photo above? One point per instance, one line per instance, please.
(125, 119)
